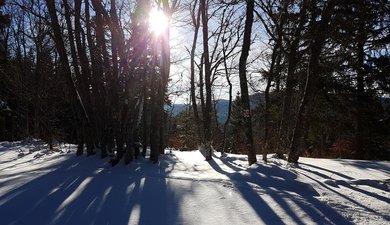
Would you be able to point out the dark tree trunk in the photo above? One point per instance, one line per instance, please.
(145, 119)
(118, 122)
(267, 109)
(165, 70)
(85, 69)
(155, 129)
(161, 116)
(360, 136)
(80, 77)
(283, 133)
(312, 81)
(96, 80)
(230, 98)
(201, 96)
(75, 96)
(155, 82)
(196, 23)
(244, 83)
(207, 70)
(71, 41)
(275, 61)
(102, 56)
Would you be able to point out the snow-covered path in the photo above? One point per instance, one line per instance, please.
(40, 187)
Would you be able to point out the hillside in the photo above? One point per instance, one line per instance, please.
(221, 106)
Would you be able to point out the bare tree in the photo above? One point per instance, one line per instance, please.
(244, 83)
(207, 73)
(76, 98)
(195, 16)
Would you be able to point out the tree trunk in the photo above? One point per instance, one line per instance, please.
(267, 111)
(75, 96)
(96, 80)
(196, 23)
(283, 133)
(145, 119)
(80, 77)
(244, 83)
(85, 69)
(201, 96)
(165, 69)
(360, 137)
(155, 82)
(275, 61)
(225, 125)
(71, 41)
(207, 71)
(102, 57)
(311, 81)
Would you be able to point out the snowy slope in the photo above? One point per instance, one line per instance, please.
(55, 187)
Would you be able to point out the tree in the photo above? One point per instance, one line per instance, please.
(115, 72)
(76, 98)
(244, 83)
(4, 22)
(361, 32)
(312, 79)
(207, 73)
(195, 16)
(237, 128)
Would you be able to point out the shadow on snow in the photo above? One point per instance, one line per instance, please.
(280, 185)
(87, 191)
(92, 195)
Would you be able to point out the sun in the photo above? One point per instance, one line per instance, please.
(158, 22)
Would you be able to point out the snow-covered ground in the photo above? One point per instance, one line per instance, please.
(56, 187)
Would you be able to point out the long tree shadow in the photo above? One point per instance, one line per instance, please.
(327, 170)
(349, 180)
(382, 166)
(80, 192)
(345, 184)
(280, 185)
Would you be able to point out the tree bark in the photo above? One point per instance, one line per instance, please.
(75, 96)
(96, 79)
(225, 125)
(201, 96)
(155, 114)
(244, 83)
(283, 132)
(196, 23)
(360, 136)
(80, 77)
(312, 81)
(102, 56)
(207, 73)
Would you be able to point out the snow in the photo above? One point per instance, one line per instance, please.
(38, 186)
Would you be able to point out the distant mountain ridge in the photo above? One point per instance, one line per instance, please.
(221, 106)
(255, 100)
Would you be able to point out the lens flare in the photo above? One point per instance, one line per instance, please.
(158, 22)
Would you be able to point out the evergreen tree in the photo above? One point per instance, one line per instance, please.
(237, 128)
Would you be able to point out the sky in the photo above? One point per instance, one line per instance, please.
(181, 36)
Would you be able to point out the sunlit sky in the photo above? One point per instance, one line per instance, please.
(158, 21)
(181, 35)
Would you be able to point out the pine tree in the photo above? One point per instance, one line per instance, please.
(236, 127)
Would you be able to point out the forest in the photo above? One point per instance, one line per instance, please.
(103, 74)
